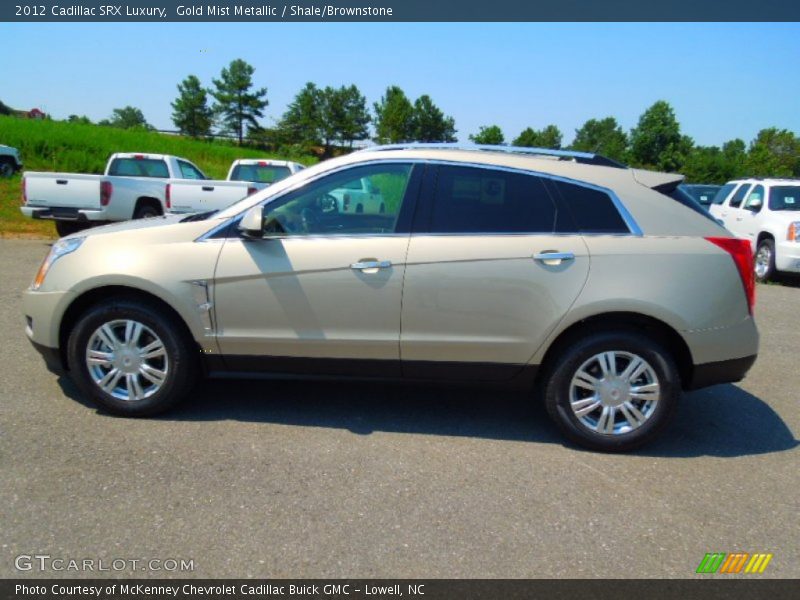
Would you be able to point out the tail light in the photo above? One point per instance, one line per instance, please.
(742, 254)
(263, 163)
(138, 156)
(24, 192)
(168, 196)
(251, 191)
(106, 189)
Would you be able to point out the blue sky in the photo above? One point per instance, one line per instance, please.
(724, 80)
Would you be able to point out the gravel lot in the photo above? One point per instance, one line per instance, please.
(292, 479)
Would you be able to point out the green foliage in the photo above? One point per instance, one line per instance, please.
(190, 111)
(83, 119)
(301, 123)
(394, 117)
(355, 116)
(236, 105)
(488, 134)
(128, 117)
(657, 142)
(603, 136)
(774, 153)
(5, 110)
(549, 137)
(429, 123)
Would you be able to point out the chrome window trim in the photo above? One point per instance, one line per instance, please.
(627, 217)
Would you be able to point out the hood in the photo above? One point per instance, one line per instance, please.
(130, 225)
(168, 228)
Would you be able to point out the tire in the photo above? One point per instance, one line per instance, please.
(64, 228)
(764, 263)
(7, 168)
(622, 428)
(145, 386)
(146, 211)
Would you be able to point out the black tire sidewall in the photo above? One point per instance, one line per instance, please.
(181, 371)
(557, 390)
(146, 212)
(771, 268)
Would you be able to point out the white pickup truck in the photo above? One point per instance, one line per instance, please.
(134, 186)
(246, 176)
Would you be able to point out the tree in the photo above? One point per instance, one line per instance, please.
(332, 113)
(429, 123)
(355, 115)
(190, 111)
(5, 110)
(394, 117)
(236, 104)
(774, 153)
(603, 136)
(710, 164)
(488, 134)
(656, 142)
(128, 118)
(83, 119)
(302, 121)
(549, 137)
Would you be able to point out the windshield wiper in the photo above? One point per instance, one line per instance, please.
(199, 216)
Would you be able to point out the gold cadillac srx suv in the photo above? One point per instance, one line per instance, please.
(593, 285)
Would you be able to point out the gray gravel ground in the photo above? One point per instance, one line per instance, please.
(292, 479)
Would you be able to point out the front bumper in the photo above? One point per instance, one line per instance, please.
(787, 257)
(43, 314)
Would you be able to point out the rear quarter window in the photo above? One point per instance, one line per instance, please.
(592, 211)
(723, 192)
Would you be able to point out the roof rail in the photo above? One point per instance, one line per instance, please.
(587, 158)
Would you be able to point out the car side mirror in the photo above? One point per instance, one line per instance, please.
(252, 223)
(755, 204)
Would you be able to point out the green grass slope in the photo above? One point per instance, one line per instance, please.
(76, 148)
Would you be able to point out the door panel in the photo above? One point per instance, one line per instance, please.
(485, 299)
(299, 297)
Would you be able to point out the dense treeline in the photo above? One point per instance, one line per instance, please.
(329, 118)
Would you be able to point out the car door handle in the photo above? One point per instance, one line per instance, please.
(553, 258)
(61, 182)
(739, 218)
(363, 265)
(208, 188)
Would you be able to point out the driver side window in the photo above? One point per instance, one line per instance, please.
(362, 200)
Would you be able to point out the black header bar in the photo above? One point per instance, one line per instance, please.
(398, 10)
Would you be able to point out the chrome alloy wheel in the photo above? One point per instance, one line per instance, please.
(763, 261)
(127, 360)
(614, 392)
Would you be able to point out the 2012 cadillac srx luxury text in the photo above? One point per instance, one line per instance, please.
(592, 285)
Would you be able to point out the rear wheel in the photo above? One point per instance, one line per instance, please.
(612, 391)
(7, 168)
(765, 260)
(146, 211)
(130, 358)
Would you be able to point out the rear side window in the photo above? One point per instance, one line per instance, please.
(723, 192)
(189, 171)
(265, 173)
(736, 201)
(472, 200)
(592, 210)
(139, 167)
(784, 197)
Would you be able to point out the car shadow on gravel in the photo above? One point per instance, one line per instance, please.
(723, 421)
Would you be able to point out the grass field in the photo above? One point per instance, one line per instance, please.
(75, 148)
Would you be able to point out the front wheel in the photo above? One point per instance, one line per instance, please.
(765, 261)
(131, 358)
(612, 391)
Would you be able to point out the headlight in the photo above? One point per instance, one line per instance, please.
(59, 249)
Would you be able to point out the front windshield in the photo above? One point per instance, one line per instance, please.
(281, 186)
(784, 197)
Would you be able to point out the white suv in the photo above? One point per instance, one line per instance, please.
(767, 213)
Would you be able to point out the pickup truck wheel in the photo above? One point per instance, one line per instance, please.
(69, 227)
(146, 211)
(130, 358)
(612, 391)
(6, 168)
(765, 261)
